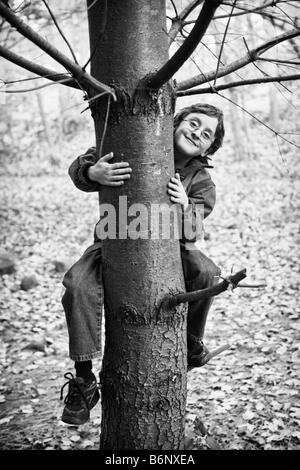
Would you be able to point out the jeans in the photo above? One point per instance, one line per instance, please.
(83, 299)
(199, 272)
(83, 303)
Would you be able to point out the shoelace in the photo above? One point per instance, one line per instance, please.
(74, 388)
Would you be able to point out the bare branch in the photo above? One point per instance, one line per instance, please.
(37, 69)
(253, 286)
(101, 27)
(104, 127)
(251, 56)
(174, 300)
(266, 4)
(39, 87)
(245, 11)
(258, 68)
(223, 40)
(291, 19)
(189, 45)
(59, 30)
(177, 22)
(279, 61)
(225, 86)
(175, 9)
(87, 81)
(257, 10)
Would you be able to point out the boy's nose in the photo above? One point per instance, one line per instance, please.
(197, 133)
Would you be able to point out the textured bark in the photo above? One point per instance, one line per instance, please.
(144, 367)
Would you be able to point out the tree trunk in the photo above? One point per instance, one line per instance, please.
(144, 366)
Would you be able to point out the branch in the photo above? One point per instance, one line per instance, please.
(39, 87)
(59, 30)
(189, 45)
(251, 56)
(245, 11)
(37, 69)
(174, 300)
(101, 27)
(223, 40)
(177, 22)
(280, 61)
(175, 9)
(225, 86)
(268, 3)
(77, 72)
(258, 11)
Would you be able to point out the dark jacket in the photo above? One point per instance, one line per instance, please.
(195, 178)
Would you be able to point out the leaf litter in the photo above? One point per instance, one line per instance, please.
(246, 398)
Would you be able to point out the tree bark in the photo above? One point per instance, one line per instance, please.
(144, 366)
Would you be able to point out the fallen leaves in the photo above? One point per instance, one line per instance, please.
(246, 398)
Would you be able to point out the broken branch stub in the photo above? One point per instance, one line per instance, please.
(172, 301)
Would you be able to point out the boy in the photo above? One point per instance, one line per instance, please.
(198, 132)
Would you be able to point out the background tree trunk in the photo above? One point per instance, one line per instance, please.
(144, 367)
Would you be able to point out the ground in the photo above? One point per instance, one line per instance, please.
(246, 398)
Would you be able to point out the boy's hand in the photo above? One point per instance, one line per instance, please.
(109, 174)
(177, 192)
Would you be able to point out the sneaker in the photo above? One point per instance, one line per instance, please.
(82, 396)
(201, 356)
(198, 357)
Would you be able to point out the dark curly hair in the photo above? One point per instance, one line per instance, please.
(211, 111)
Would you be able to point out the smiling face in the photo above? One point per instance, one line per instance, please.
(194, 135)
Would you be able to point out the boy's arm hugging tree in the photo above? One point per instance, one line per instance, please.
(89, 173)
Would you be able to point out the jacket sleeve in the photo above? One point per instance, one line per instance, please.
(78, 171)
(202, 198)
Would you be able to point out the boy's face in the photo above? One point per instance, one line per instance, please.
(195, 134)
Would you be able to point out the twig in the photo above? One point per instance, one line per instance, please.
(282, 11)
(102, 27)
(104, 127)
(280, 61)
(59, 30)
(257, 10)
(252, 115)
(252, 286)
(175, 9)
(259, 120)
(25, 90)
(223, 40)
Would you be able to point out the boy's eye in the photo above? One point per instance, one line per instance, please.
(206, 136)
(194, 124)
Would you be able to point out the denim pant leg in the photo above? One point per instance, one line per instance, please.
(200, 272)
(83, 302)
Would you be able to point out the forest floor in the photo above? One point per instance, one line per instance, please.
(246, 398)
